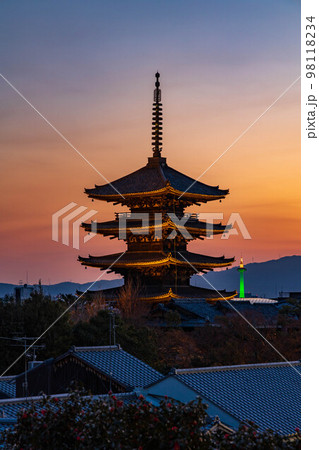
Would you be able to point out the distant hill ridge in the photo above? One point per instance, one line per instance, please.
(67, 287)
(264, 279)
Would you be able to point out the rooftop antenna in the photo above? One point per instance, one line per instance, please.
(22, 342)
(157, 120)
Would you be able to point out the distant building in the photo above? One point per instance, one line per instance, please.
(241, 269)
(192, 313)
(290, 295)
(268, 394)
(22, 293)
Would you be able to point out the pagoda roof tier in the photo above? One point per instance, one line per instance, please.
(193, 226)
(156, 179)
(139, 260)
(159, 294)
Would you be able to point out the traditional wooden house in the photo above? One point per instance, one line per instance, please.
(95, 369)
(267, 394)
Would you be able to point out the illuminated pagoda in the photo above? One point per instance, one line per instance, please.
(157, 255)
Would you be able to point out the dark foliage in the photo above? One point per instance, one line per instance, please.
(83, 423)
(234, 342)
(31, 318)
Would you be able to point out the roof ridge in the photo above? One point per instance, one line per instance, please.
(36, 398)
(97, 348)
(8, 378)
(235, 367)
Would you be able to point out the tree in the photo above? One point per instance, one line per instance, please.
(32, 318)
(129, 303)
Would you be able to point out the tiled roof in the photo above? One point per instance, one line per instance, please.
(122, 367)
(268, 394)
(5, 424)
(9, 408)
(151, 292)
(153, 177)
(8, 387)
(113, 226)
(140, 257)
(200, 307)
(256, 300)
(260, 314)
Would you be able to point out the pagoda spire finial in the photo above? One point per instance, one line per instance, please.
(157, 119)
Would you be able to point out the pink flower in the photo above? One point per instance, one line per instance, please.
(43, 411)
(169, 404)
(56, 400)
(120, 403)
(226, 436)
(297, 429)
(174, 428)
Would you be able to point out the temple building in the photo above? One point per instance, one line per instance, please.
(157, 230)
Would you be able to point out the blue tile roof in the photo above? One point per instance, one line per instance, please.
(8, 387)
(268, 394)
(258, 313)
(9, 408)
(122, 367)
(198, 306)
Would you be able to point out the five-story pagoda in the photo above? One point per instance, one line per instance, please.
(157, 230)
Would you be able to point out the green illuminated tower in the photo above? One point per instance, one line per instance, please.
(241, 270)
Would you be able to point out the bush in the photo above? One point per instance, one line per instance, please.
(248, 437)
(77, 422)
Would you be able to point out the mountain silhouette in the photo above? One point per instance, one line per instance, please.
(264, 279)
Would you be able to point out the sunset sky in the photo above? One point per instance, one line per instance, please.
(88, 67)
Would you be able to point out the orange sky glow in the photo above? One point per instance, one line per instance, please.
(106, 115)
